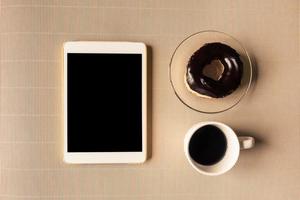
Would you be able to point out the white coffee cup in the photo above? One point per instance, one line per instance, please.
(234, 145)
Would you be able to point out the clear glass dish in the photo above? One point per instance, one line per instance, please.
(178, 65)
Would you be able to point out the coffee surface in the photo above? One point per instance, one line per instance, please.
(208, 145)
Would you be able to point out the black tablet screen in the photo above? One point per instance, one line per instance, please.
(104, 103)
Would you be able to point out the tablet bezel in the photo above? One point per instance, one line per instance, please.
(106, 47)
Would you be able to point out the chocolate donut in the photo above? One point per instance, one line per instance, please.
(229, 79)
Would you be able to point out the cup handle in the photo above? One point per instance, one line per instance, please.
(246, 142)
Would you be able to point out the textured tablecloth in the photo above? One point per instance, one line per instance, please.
(31, 160)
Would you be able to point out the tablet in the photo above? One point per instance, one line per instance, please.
(105, 102)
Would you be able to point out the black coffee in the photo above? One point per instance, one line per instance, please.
(208, 145)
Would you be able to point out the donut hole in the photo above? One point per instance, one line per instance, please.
(213, 70)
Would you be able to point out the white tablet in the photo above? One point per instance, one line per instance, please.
(105, 102)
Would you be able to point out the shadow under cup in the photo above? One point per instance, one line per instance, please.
(231, 153)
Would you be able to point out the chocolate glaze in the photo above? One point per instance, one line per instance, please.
(230, 78)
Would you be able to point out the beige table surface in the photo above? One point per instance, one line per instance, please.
(32, 33)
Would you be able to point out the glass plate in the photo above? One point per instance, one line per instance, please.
(180, 60)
